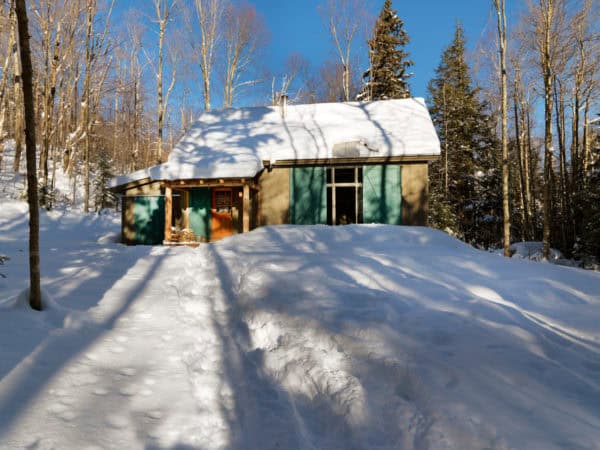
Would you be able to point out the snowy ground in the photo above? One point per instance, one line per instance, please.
(370, 337)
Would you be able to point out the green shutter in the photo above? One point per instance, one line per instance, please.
(308, 196)
(382, 194)
(200, 212)
(149, 216)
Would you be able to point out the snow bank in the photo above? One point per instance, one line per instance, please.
(533, 251)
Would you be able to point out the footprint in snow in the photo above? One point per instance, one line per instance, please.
(84, 380)
(128, 371)
(59, 392)
(100, 392)
(157, 414)
(68, 401)
(67, 416)
(129, 390)
(116, 421)
(57, 408)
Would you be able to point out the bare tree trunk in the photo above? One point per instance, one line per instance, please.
(244, 33)
(91, 12)
(548, 13)
(563, 175)
(520, 152)
(18, 94)
(116, 114)
(445, 144)
(208, 14)
(530, 187)
(586, 138)
(49, 97)
(4, 81)
(343, 20)
(501, 16)
(163, 9)
(162, 24)
(35, 295)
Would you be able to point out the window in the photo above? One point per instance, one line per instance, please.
(222, 201)
(344, 195)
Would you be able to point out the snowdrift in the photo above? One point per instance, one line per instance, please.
(294, 337)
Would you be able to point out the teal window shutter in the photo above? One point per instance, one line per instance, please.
(308, 196)
(200, 212)
(382, 194)
(149, 216)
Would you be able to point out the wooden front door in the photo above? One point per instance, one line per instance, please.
(221, 214)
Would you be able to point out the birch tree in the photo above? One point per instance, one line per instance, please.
(545, 16)
(209, 14)
(244, 33)
(343, 20)
(17, 91)
(164, 10)
(499, 5)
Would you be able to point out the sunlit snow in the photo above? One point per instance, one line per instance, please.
(371, 337)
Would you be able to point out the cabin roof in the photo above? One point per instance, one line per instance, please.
(237, 142)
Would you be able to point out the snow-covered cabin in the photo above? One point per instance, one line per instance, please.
(328, 163)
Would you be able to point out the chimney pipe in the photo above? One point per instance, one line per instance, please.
(283, 104)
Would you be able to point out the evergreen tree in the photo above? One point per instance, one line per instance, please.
(387, 76)
(104, 198)
(588, 248)
(465, 182)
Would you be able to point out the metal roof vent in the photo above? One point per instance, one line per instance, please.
(351, 149)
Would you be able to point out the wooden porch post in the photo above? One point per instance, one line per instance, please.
(168, 212)
(246, 209)
(186, 213)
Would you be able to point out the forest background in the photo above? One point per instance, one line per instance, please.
(117, 83)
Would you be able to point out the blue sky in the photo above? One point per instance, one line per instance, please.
(296, 26)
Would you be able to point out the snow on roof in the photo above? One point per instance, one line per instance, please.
(233, 143)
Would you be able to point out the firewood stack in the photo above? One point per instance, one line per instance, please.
(185, 235)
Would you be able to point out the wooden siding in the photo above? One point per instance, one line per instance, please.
(415, 192)
(274, 197)
(131, 232)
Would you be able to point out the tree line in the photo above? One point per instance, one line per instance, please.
(539, 105)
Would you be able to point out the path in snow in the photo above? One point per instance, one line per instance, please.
(120, 380)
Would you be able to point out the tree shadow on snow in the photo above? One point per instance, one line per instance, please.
(370, 297)
(41, 355)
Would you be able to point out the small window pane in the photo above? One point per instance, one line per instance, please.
(223, 201)
(344, 175)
